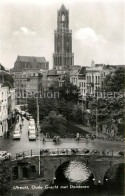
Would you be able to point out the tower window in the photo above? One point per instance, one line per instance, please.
(63, 17)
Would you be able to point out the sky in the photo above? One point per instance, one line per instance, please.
(27, 29)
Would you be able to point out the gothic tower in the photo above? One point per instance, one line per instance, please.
(63, 58)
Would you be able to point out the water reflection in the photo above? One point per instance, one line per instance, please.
(74, 172)
(77, 173)
(114, 177)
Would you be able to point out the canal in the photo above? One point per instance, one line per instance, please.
(75, 178)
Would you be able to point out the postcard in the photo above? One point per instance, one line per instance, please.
(62, 82)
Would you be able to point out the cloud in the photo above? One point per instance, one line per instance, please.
(89, 36)
(24, 31)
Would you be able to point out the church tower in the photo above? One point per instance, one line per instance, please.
(63, 58)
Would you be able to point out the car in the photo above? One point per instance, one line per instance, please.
(16, 135)
(74, 151)
(4, 155)
(32, 132)
(29, 117)
(32, 136)
(95, 152)
(31, 129)
(23, 113)
(16, 131)
(86, 151)
(31, 123)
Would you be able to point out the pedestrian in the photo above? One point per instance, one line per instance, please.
(103, 152)
(44, 141)
(20, 126)
(107, 152)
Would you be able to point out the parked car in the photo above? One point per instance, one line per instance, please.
(95, 152)
(31, 121)
(16, 135)
(16, 131)
(31, 129)
(85, 151)
(23, 113)
(4, 155)
(32, 136)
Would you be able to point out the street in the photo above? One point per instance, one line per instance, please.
(15, 146)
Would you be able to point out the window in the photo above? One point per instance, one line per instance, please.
(96, 79)
(99, 79)
(33, 168)
(92, 79)
(63, 17)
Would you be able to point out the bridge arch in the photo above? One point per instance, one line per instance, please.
(113, 169)
(79, 165)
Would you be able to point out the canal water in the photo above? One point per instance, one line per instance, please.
(74, 178)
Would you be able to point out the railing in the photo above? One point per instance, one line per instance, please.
(66, 152)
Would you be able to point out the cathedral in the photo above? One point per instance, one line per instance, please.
(63, 58)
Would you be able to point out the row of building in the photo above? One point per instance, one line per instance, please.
(88, 79)
(33, 74)
(7, 109)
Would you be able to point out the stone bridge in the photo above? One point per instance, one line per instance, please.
(46, 166)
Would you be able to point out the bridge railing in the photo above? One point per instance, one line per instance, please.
(64, 152)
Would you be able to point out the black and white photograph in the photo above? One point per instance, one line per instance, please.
(62, 80)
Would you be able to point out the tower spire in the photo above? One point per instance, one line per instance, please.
(63, 58)
(62, 7)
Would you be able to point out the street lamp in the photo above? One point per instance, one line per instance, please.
(38, 130)
(96, 122)
(38, 117)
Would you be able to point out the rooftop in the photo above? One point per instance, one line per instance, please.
(31, 58)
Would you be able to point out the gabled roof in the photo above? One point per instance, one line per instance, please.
(52, 72)
(83, 70)
(30, 59)
(40, 59)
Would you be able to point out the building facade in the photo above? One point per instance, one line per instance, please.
(27, 75)
(3, 110)
(52, 77)
(63, 58)
(90, 79)
(27, 82)
(11, 110)
(23, 63)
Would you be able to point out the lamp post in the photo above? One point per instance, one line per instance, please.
(38, 117)
(38, 131)
(96, 122)
(82, 109)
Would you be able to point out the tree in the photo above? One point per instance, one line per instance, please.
(54, 124)
(5, 178)
(77, 114)
(68, 96)
(68, 91)
(2, 67)
(46, 105)
(110, 108)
